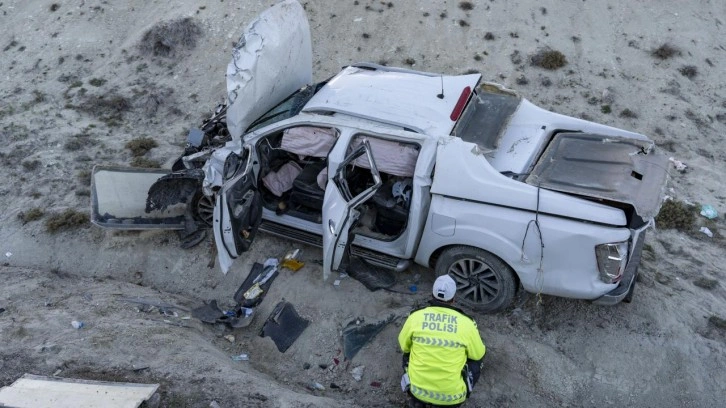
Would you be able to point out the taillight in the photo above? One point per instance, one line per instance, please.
(611, 260)
(459, 107)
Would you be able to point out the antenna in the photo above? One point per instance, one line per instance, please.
(441, 95)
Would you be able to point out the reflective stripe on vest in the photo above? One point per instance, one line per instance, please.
(420, 392)
(433, 341)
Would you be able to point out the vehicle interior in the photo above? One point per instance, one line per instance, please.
(294, 175)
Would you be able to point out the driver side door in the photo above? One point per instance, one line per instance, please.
(238, 208)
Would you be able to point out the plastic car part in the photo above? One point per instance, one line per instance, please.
(357, 335)
(284, 326)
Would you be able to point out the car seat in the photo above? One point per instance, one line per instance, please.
(305, 189)
(392, 211)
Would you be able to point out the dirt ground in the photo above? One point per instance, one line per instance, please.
(83, 78)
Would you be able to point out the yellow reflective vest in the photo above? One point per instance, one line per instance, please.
(440, 340)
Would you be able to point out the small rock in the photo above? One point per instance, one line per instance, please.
(323, 366)
(306, 366)
(77, 325)
(214, 404)
(229, 338)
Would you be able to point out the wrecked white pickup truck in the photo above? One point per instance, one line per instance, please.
(396, 166)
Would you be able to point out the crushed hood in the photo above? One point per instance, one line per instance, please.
(271, 60)
(611, 168)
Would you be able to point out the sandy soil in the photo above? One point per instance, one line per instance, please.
(78, 86)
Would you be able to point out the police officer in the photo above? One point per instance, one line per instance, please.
(442, 350)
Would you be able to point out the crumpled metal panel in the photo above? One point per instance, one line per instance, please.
(610, 168)
(272, 59)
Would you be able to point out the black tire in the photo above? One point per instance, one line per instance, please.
(484, 282)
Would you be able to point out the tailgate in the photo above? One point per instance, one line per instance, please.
(118, 200)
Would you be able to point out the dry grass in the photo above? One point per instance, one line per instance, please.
(167, 38)
(66, 220)
(32, 214)
(676, 215)
(665, 51)
(717, 322)
(143, 162)
(689, 71)
(548, 59)
(140, 146)
(110, 108)
(706, 283)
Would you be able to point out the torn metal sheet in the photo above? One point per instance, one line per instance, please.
(272, 59)
(118, 197)
(611, 168)
(284, 326)
(34, 391)
(357, 334)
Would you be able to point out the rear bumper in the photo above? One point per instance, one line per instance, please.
(616, 295)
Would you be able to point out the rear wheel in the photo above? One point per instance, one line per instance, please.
(483, 282)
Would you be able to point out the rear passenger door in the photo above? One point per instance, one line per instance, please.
(340, 210)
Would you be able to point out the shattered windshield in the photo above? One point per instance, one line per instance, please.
(291, 106)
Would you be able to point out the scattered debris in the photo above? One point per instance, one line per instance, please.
(162, 306)
(291, 260)
(316, 386)
(679, 165)
(706, 231)
(241, 357)
(284, 326)
(372, 277)
(356, 335)
(357, 372)
(257, 283)
(709, 212)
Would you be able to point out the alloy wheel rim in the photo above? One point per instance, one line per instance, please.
(205, 210)
(475, 280)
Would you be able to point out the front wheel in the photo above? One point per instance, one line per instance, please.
(483, 282)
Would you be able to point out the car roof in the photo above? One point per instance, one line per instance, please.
(394, 96)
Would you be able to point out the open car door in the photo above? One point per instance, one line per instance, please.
(238, 209)
(340, 210)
